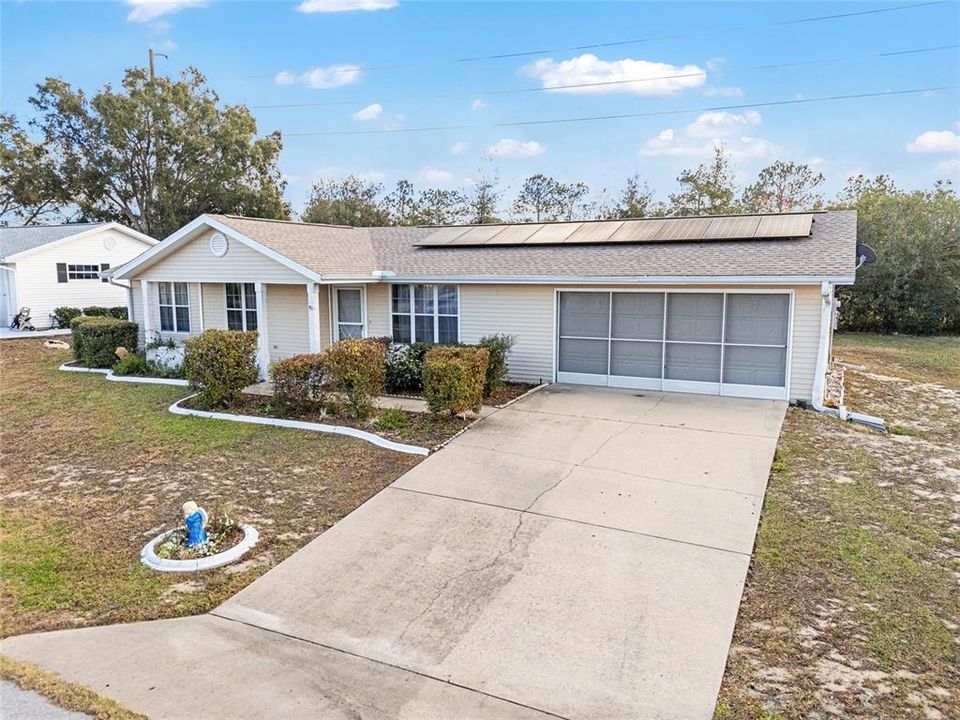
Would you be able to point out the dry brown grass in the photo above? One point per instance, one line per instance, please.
(851, 608)
(91, 470)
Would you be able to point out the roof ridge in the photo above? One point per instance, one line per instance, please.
(289, 222)
(52, 225)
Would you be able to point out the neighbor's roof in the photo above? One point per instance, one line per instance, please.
(15, 240)
(828, 251)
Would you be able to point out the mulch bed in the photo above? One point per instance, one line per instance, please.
(416, 429)
(507, 392)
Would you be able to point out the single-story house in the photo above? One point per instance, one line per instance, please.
(731, 305)
(43, 267)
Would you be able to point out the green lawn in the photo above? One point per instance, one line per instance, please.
(852, 608)
(93, 469)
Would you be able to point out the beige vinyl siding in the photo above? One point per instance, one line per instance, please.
(287, 330)
(36, 274)
(194, 262)
(325, 331)
(806, 340)
(138, 310)
(214, 306)
(524, 311)
(378, 310)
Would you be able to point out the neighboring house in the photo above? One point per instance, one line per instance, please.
(736, 305)
(43, 267)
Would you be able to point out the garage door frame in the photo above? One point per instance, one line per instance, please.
(669, 385)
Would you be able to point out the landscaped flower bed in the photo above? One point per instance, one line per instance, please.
(222, 534)
(501, 396)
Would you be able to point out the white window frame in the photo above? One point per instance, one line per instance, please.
(412, 314)
(663, 383)
(173, 306)
(335, 310)
(83, 271)
(244, 308)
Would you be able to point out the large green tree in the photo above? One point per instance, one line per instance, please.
(154, 154)
(483, 196)
(914, 287)
(30, 189)
(350, 200)
(784, 187)
(707, 190)
(436, 206)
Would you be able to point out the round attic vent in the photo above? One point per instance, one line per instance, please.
(219, 244)
(110, 242)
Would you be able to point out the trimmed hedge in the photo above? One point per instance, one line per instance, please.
(357, 369)
(65, 315)
(453, 378)
(221, 363)
(96, 339)
(405, 367)
(300, 379)
(499, 347)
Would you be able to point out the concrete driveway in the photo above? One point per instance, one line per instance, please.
(579, 554)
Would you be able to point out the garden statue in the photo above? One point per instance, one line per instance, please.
(195, 518)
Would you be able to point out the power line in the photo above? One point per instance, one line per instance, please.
(488, 93)
(633, 41)
(624, 116)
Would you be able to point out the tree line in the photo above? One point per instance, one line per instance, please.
(155, 153)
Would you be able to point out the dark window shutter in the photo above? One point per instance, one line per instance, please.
(61, 272)
(104, 266)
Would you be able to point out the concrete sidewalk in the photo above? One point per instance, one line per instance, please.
(580, 554)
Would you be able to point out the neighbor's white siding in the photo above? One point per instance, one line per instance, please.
(287, 331)
(36, 274)
(194, 262)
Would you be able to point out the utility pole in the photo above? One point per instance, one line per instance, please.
(152, 55)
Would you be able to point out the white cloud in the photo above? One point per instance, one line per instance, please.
(335, 6)
(459, 147)
(370, 112)
(710, 129)
(321, 78)
(511, 148)
(435, 175)
(715, 64)
(641, 77)
(723, 91)
(147, 10)
(712, 124)
(478, 104)
(951, 166)
(935, 141)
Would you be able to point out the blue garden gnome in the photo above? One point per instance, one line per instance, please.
(195, 518)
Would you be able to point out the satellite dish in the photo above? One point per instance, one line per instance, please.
(866, 255)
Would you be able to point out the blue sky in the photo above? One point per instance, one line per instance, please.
(293, 51)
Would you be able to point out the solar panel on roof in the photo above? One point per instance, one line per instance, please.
(683, 229)
(514, 235)
(638, 230)
(594, 232)
(732, 227)
(781, 226)
(478, 234)
(553, 233)
(443, 236)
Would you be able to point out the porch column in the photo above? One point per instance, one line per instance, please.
(313, 316)
(263, 342)
(146, 321)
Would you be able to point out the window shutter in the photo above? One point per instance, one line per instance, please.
(61, 272)
(104, 266)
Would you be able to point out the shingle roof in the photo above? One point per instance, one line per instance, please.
(15, 240)
(829, 251)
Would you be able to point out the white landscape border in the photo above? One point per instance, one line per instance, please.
(150, 558)
(175, 408)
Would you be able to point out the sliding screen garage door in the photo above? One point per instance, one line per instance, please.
(728, 343)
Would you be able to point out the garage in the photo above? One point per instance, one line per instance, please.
(731, 342)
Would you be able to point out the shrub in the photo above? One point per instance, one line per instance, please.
(119, 312)
(453, 378)
(131, 364)
(404, 367)
(97, 311)
(392, 419)
(499, 347)
(221, 363)
(65, 315)
(357, 369)
(300, 379)
(95, 339)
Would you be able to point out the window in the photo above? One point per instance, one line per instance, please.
(174, 307)
(349, 313)
(425, 313)
(83, 272)
(241, 306)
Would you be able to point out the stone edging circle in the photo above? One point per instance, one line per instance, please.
(149, 558)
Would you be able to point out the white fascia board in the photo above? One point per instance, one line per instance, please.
(170, 243)
(146, 239)
(624, 280)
